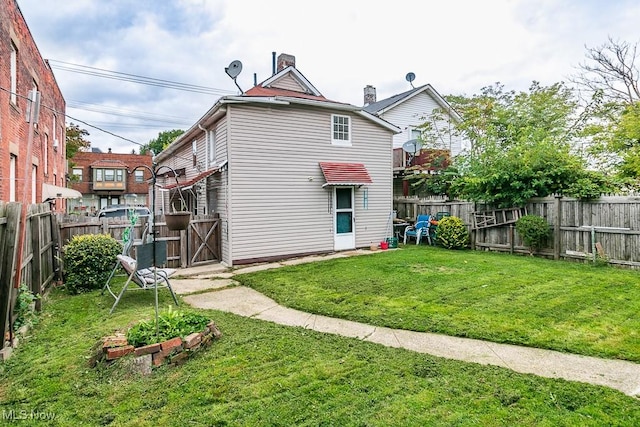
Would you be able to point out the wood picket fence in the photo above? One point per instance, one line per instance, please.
(47, 233)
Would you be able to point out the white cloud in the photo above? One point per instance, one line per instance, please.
(340, 46)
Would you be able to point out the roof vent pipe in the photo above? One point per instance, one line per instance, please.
(273, 63)
(255, 79)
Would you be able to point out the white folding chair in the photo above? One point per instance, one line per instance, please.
(149, 277)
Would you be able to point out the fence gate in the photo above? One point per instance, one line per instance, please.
(204, 240)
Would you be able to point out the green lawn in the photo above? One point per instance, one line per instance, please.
(262, 374)
(572, 307)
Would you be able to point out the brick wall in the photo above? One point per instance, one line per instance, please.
(84, 160)
(14, 130)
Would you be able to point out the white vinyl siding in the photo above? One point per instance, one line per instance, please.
(416, 111)
(287, 82)
(279, 207)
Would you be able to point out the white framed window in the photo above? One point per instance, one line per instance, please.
(415, 134)
(77, 172)
(45, 154)
(211, 146)
(14, 74)
(340, 130)
(139, 175)
(12, 178)
(34, 181)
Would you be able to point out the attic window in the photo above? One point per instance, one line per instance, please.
(341, 130)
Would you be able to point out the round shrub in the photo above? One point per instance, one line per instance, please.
(88, 261)
(534, 230)
(452, 233)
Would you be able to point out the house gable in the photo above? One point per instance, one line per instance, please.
(290, 78)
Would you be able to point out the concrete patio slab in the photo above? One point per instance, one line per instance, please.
(191, 285)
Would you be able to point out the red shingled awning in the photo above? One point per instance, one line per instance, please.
(192, 181)
(337, 173)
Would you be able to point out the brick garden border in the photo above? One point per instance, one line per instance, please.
(173, 351)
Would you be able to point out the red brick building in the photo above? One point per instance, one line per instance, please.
(32, 158)
(106, 179)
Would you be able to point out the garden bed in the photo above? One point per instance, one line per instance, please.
(172, 351)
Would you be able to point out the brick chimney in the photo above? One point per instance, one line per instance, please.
(369, 95)
(285, 60)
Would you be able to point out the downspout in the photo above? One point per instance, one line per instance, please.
(206, 145)
(207, 157)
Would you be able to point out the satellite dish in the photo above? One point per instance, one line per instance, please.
(234, 69)
(410, 78)
(412, 146)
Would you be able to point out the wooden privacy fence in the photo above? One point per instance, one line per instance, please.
(578, 228)
(47, 232)
(199, 244)
(38, 265)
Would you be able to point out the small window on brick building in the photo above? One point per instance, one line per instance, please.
(14, 74)
(139, 176)
(77, 172)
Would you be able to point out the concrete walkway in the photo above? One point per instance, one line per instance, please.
(222, 294)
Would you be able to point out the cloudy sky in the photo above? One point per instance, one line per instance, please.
(99, 48)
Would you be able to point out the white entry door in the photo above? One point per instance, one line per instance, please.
(344, 224)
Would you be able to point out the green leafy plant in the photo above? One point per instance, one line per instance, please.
(24, 310)
(534, 231)
(88, 260)
(452, 233)
(171, 324)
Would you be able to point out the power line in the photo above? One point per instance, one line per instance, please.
(113, 111)
(134, 78)
(44, 106)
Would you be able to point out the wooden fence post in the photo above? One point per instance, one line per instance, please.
(7, 269)
(511, 238)
(36, 255)
(556, 228)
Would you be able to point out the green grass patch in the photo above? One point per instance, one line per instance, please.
(570, 307)
(261, 373)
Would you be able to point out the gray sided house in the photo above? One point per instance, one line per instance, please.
(288, 171)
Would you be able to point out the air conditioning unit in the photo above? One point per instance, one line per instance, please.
(56, 144)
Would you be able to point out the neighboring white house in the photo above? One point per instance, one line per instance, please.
(410, 110)
(288, 171)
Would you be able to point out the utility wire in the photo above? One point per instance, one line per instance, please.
(133, 78)
(46, 107)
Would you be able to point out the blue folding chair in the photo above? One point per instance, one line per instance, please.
(419, 230)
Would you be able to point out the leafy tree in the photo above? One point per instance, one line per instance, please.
(75, 140)
(522, 146)
(610, 78)
(161, 142)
